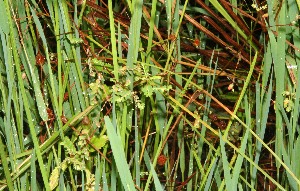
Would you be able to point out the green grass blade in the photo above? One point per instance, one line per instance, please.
(220, 8)
(113, 40)
(238, 164)
(104, 179)
(97, 173)
(42, 35)
(134, 40)
(137, 152)
(153, 172)
(227, 175)
(24, 96)
(5, 167)
(33, 172)
(210, 175)
(262, 116)
(119, 156)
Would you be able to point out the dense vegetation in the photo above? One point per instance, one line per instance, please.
(149, 95)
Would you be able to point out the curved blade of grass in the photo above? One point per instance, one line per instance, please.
(119, 155)
(220, 8)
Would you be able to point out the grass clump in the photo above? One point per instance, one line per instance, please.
(149, 95)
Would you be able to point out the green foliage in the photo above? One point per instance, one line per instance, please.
(288, 102)
(76, 160)
(98, 142)
(149, 95)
